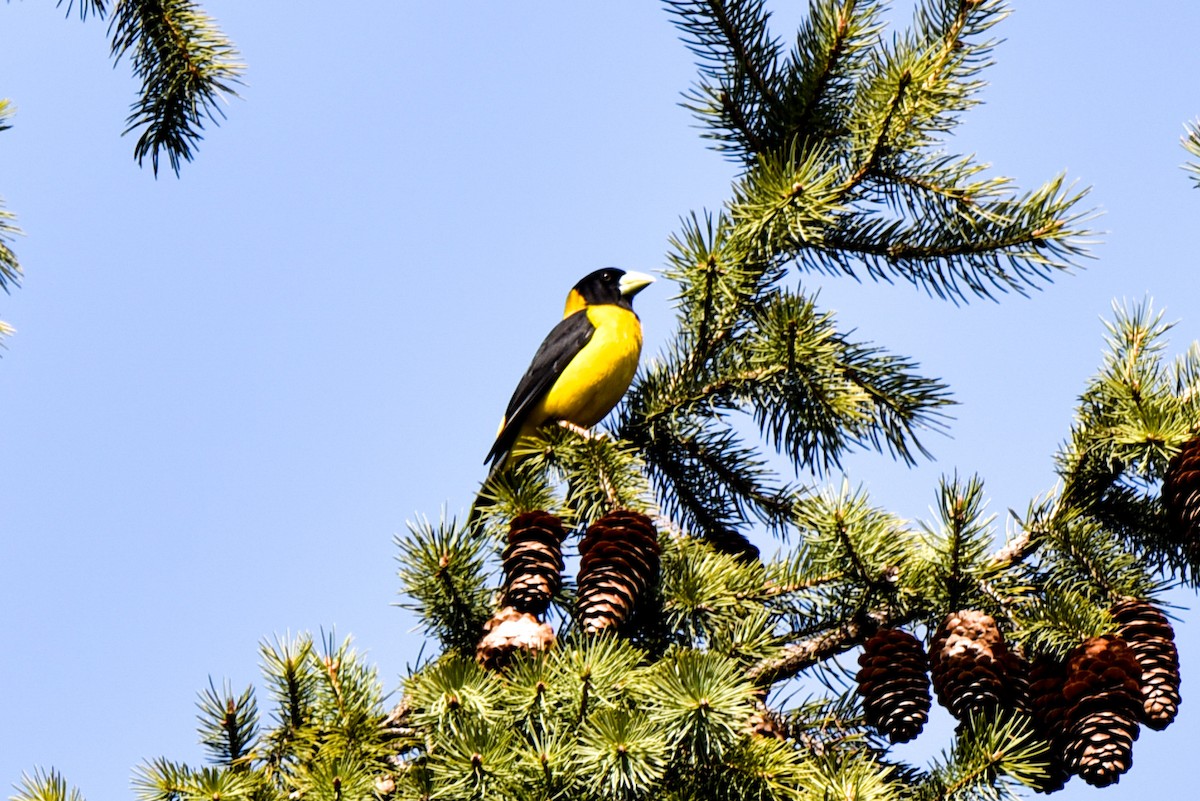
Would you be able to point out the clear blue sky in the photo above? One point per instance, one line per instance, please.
(228, 392)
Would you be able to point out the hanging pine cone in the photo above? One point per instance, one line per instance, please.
(618, 561)
(1152, 641)
(508, 631)
(973, 670)
(765, 722)
(1049, 709)
(1181, 497)
(533, 561)
(893, 679)
(1104, 702)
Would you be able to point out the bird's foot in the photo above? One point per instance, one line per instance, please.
(579, 430)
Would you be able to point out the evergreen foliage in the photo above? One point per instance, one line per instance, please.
(838, 137)
(186, 66)
(10, 268)
(1191, 143)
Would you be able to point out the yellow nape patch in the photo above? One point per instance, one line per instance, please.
(575, 302)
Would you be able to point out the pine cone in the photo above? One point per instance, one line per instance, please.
(973, 670)
(1181, 497)
(1049, 709)
(618, 562)
(533, 561)
(1104, 702)
(893, 680)
(765, 722)
(508, 631)
(1152, 640)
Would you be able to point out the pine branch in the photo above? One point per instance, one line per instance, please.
(710, 480)
(706, 593)
(46, 785)
(602, 473)
(809, 198)
(10, 267)
(622, 754)
(442, 568)
(880, 141)
(797, 657)
(162, 780)
(97, 8)
(831, 52)
(813, 394)
(820, 394)
(954, 569)
(843, 534)
(720, 283)
(938, 184)
(704, 699)
(738, 63)
(982, 249)
(228, 724)
(1191, 143)
(185, 64)
(1132, 418)
(987, 760)
(289, 672)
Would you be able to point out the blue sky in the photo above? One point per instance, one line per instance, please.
(228, 392)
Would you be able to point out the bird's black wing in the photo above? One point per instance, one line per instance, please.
(559, 347)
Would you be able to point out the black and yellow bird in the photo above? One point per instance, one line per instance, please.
(585, 364)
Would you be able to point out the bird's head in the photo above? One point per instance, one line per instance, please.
(608, 285)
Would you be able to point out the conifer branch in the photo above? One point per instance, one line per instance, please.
(799, 656)
(733, 111)
(185, 64)
(985, 248)
(1191, 143)
(828, 55)
(48, 785)
(97, 8)
(443, 571)
(228, 724)
(796, 657)
(10, 267)
(878, 147)
(739, 57)
(746, 38)
(987, 759)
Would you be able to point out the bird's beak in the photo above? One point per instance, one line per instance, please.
(633, 283)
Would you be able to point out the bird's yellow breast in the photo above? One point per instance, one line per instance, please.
(596, 379)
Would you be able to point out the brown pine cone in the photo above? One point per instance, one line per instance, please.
(765, 722)
(1181, 498)
(508, 631)
(973, 670)
(1049, 709)
(893, 679)
(618, 561)
(533, 561)
(1104, 702)
(1152, 640)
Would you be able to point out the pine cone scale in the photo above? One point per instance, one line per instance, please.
(894, 683)
(618, 562)
(1152, 641)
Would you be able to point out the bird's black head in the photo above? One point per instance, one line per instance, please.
(608, 285)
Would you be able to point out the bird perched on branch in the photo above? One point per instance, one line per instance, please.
(584, 365)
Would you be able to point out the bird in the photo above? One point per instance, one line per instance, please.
(583, 367)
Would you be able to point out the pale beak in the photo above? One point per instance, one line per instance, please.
(633, 283)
